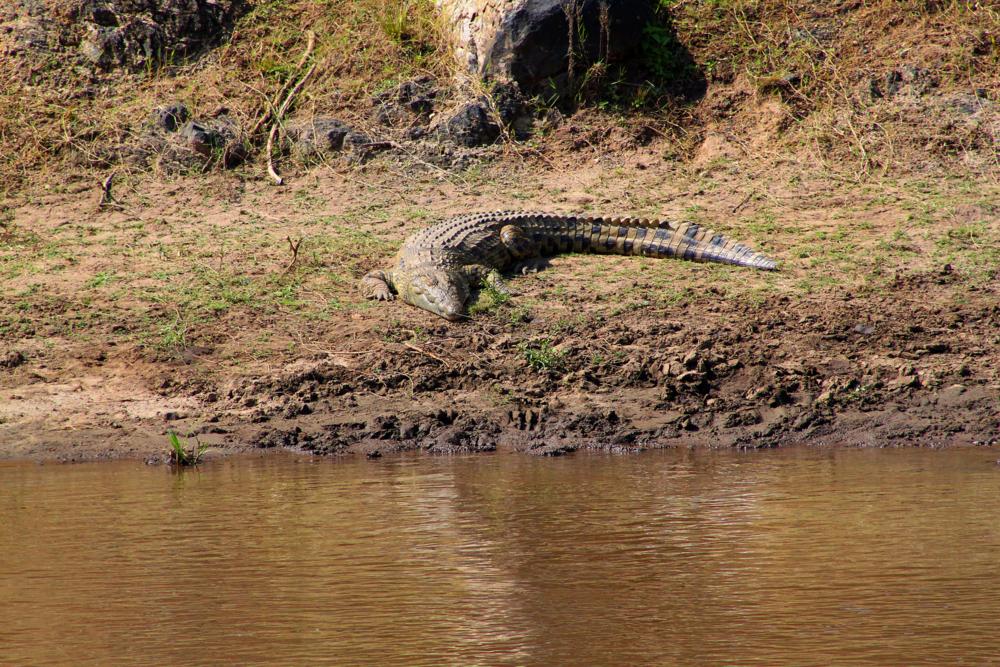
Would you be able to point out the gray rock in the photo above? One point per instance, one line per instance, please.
(471, 125)
(170, 117)
(12, 359)
(355, 141)
(409, 102)
(965, 104)
(532, 43)
(512, 108)
(134, 44)
(201, 138)
(219, 140)
(318, 136)
(360, 147)
(135, 34)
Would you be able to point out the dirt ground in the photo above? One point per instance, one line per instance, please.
(185, 310)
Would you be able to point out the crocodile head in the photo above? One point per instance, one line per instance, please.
(441, 292)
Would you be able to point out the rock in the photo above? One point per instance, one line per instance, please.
(170, 117)
(416, 132)
(905, 382)
(471, 125)
(744, 418)
(137, 43)
(550, 120)
(512, 108)
(219, 140)
(410, 101)
(201, 138)
(361, 147)
(296, 409)
(269, 440)
(12, 359)
(527, 41)
(138, 34)
(319, 136)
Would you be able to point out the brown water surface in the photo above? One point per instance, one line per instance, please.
(798, 557)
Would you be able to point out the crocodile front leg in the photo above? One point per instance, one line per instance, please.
(378, 285)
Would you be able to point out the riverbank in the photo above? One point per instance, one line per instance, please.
(187, 311)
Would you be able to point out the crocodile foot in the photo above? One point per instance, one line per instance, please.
(376, 286)
(531, 266)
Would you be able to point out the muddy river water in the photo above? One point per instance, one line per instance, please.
(798, 557)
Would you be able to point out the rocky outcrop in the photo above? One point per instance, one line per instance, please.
(175, 141)
(141, 33)
(113, 34)
(541, 44)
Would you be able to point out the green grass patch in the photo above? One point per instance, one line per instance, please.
(542, 356)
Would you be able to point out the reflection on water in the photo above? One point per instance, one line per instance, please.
(676, 558)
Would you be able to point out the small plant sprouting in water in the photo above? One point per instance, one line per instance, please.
(187, 454)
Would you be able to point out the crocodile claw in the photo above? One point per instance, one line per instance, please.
(531, 266)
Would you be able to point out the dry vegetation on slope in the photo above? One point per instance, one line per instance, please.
(865, 87)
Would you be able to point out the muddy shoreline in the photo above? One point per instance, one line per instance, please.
(904, 368)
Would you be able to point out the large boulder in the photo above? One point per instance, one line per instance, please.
(528, 41)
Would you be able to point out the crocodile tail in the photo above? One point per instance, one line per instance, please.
(660, 238)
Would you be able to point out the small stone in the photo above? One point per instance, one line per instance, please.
(12, 359)
(803, 420)
(319, 136)
(201, 138)
(170, 117)
(470, 126)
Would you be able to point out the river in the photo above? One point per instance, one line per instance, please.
(796, 557)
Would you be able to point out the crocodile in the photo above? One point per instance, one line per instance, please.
(438, 267)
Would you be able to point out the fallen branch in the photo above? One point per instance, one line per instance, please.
(269, 112)
(278, 180)
(279, 120)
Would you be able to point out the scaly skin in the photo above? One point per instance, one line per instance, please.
(437, 268)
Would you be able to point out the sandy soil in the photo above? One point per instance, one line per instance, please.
(184, 310)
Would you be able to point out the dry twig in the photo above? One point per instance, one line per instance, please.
(108, 199)
(294, 247)
(744, 201)
(411, 346)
